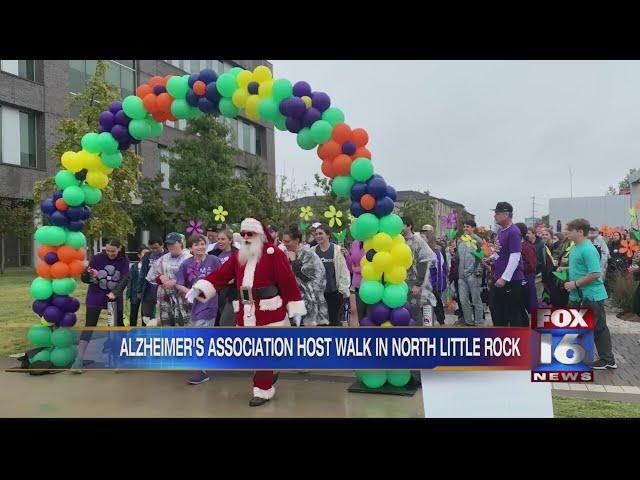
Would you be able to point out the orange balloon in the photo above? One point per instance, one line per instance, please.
(171, 117)
(362, 152)
(143, 90)
(42, 251)
(199, 87)
(164, 102)
(43, 270)
(150, 102)
(342, 164)
(76, 268)
(61, 205)
(341, 133)
(327, 169)
(360, 137)
(158, 116)
(329, 150)
(66, 254)
(368, 201)
(59, 270)
(156, 81)
(80, 254)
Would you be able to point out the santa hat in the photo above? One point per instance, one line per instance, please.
(251, 224)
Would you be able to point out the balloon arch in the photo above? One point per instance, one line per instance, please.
(296, 108)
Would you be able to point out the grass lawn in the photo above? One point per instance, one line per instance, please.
(582, 408)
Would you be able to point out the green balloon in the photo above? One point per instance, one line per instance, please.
(226, 85)
(140, 129)
(39, 335)
(333, 115)
(235, 71)
(134, 108)
(391, 224)
(405, 287)
(66, 178)
(90, 141)
(41, 288)
(63, 337)
(195, 112)
(178, 87)
(280, 122)
(180, 108)
(341, 185)
(76, 239)
(321, 131)
(365, 226)
(281, 89)
(304, 139)
(92, 195)
(42, 356)
(398, 378)
(268, 109)
(108, 144)
(111, 160)
(63, 286)
(362, 169)
(50, 235)
(371, 291)
(394, 295)
(73, 196)
(373, 379)
(62, 357)
(227, 108)
(155, 128)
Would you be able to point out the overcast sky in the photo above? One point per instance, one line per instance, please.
(478, 132)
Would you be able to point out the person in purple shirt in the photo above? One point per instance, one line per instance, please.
(203, 314)
(506, 300)
(147, 292)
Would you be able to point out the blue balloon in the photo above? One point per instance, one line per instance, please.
(357, 191)
(192, 98)
(59, 219)
(391, 193)
(211, 92)
(48, 206)
(356, 209)
(370, 254)
(87, 212)
(50, 258)
(74, 305)
(207, 75)
(158, 90)
(311, 116)
(57, 194)
(384, 206)
(81, 175)
(75, 213)
(76, 225)
(206, 105)
(193, 78)
(377, 187)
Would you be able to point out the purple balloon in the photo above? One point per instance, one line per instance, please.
(68, 320)
(124, 145)
(61, 301)
(320, 100)
(51, 258)
(357, 191)
(56, 195)
(407, 306)
(211, 92)
(302, 89)
(391, 193)
(73, 305)
(159, 89)
(39, 306)
(48, 206)
(208, 75)
(76, 226)
(384, 206)
(253, 88)
(52, 314)
(311, 116)
(59, 219)
(114, 107)
(296, 108)
(284, 106)
(349, 148)
(206, 105)
(120, 133)
(377, 187)
(193, 78)
(106, 120)
(192, 98)
(378, 313)
(86, 213)
(366, 322)
(121, 119)
(400, 317)
(293, 124)
(75, 213)
(412, 323)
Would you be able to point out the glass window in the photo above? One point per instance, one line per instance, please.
(220, 67)
(239, 172)
(28, 157)
(258, 151)
(195, 66)
(164, 166)
(90, 67)
(181, 64)
(127, 82)
(113, 74)
(26, 69)
(246, 137)
(127, 63)
(76, 76)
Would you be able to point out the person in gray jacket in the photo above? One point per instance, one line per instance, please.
(470, 276)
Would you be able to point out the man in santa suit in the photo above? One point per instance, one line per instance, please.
(267, 289)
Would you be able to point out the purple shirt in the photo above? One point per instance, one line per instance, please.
(189, 272)
(509, 241)
(355, 256)
(224, 256)
(110, 273)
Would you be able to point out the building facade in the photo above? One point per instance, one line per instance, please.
(34, 96)
(611, 210)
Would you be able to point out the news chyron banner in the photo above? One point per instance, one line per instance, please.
(558, 347)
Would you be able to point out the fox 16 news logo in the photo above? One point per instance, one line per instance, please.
(566, 345)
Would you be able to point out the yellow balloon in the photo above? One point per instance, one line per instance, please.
(44, 323)
(243, 78)
(369, 272)
(240, 97)
(262, 74)
(367, 245)
(398, 239)
(396, 274)
(251, 107)
(382, 242)
(382, 261)
(264, 91)
(387, 324)
(97, 179)
(402, 255)
(307, 101)
(90, 161)
(71, 161)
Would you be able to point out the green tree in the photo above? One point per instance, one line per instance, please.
(622, 184)
(328, 198)
(545, 219)
(420, 211)
(16, 219)
(151, 211)
(110, 217)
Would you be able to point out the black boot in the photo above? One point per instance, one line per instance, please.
(257, 401)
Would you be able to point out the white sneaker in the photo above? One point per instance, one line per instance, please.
(152, 322)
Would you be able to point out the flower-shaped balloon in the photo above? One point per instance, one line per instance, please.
(202, 91)
(629, 247)
(334, 216)
(340, 236)
(156, 100)
(306, 213)
(304, 108)
(220, 214)
(252, 87)
(449, 221)
(351, 218)
(345, 146)
(482, 230)
(605, 230)
(194, 226)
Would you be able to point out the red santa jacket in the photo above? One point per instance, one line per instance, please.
(271, 269)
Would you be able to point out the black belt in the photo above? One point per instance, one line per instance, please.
(265, 292)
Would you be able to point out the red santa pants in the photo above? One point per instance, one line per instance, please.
(263, 379)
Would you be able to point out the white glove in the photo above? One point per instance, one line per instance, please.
(192, 295)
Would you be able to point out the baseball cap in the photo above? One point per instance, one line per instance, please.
(315, 225)
(426, 228)
(503, 207)
(174, 237)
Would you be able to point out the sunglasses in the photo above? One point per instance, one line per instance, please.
(247, 234)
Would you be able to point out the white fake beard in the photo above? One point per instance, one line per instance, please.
(250, 249)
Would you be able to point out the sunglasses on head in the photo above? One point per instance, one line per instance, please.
(247, 234)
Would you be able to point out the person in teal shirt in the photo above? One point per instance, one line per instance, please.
(586, 289)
